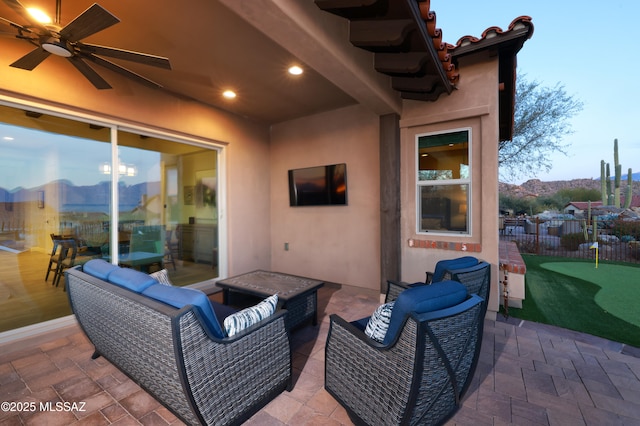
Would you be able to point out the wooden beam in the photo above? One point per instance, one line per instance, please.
(390, 235)
(343, 4)
(354, 9)
(400, 63)
(423, 96)
(424, 84)
(380, 33)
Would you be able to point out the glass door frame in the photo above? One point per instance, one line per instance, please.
(115, 126)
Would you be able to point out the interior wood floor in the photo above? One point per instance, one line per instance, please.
(26, 299)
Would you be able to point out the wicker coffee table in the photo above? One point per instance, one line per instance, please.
(298, 295)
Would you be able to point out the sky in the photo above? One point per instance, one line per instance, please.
(588, 47)
(34, 157)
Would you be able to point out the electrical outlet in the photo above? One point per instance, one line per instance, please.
(286, 246)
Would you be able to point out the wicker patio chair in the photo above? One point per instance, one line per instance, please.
(416, 379)
(473, 273)
(440, 271)
(477, 279)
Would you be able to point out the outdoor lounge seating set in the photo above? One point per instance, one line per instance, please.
(171, 341)
(210, 364)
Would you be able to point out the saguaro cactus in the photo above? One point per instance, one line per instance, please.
(618, 170)
(609, 194)
(611, 190)
(627, 200)
(603, 184)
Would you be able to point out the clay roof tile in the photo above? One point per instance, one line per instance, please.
(429, 18)
(518, 23)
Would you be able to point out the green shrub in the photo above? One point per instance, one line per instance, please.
(526, 245)
(572, 241)
(621, 228)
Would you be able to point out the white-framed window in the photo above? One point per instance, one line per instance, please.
(443, 181)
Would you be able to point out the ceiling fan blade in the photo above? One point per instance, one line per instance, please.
(89, 22)
(127, 55)
(22, 11)
(8, 26)
(32, 59)
(89, 73)
(125, 72)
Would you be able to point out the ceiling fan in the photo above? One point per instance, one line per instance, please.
(66, 42)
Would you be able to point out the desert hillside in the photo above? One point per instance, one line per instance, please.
(537, 188)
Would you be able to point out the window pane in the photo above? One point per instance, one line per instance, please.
(443, 208)
(443, 156)
(51, 183)
(168, 204)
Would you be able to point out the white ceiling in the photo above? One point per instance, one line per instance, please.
(212, 49)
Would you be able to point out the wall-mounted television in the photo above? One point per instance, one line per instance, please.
(318, 186)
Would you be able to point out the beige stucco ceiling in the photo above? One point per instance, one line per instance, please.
(212, 48)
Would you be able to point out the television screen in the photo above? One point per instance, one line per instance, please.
(318, 186)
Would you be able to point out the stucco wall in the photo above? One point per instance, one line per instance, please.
(332, 243)
(55, 85)
(473, 105)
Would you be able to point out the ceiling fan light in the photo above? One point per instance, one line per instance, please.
(57, 47)
(39, 15)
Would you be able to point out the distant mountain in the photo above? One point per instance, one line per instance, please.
(634, 177)
(538, 188)
(92, 198)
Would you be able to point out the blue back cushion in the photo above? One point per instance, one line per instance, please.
(421, 299)
(450, 264)
(222, 311)
(179, 297)
(99, 268)
(131, 279)
(361, 324)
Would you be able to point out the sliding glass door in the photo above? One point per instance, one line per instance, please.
(133, 198)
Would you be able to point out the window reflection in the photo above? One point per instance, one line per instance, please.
(444, 208)
(56, 184)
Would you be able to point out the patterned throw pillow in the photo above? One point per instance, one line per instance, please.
(237, 322)
(379, 322)
(162, 277)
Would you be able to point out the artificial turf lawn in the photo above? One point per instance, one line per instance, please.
(574, 294)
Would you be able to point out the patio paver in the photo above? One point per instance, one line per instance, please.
(528, 374)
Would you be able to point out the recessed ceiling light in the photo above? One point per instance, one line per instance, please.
(295, 70)
(7, 138)
(39, 15)
(229, 94)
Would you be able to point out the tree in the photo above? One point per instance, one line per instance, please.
(541, 121)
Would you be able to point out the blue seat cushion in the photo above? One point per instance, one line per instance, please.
(222, 311)
(131, 279)
(179, 297)
(422, 299)
(452, 264)
(99, 268)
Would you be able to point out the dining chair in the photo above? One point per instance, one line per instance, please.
(69, 258)
(54, 257)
